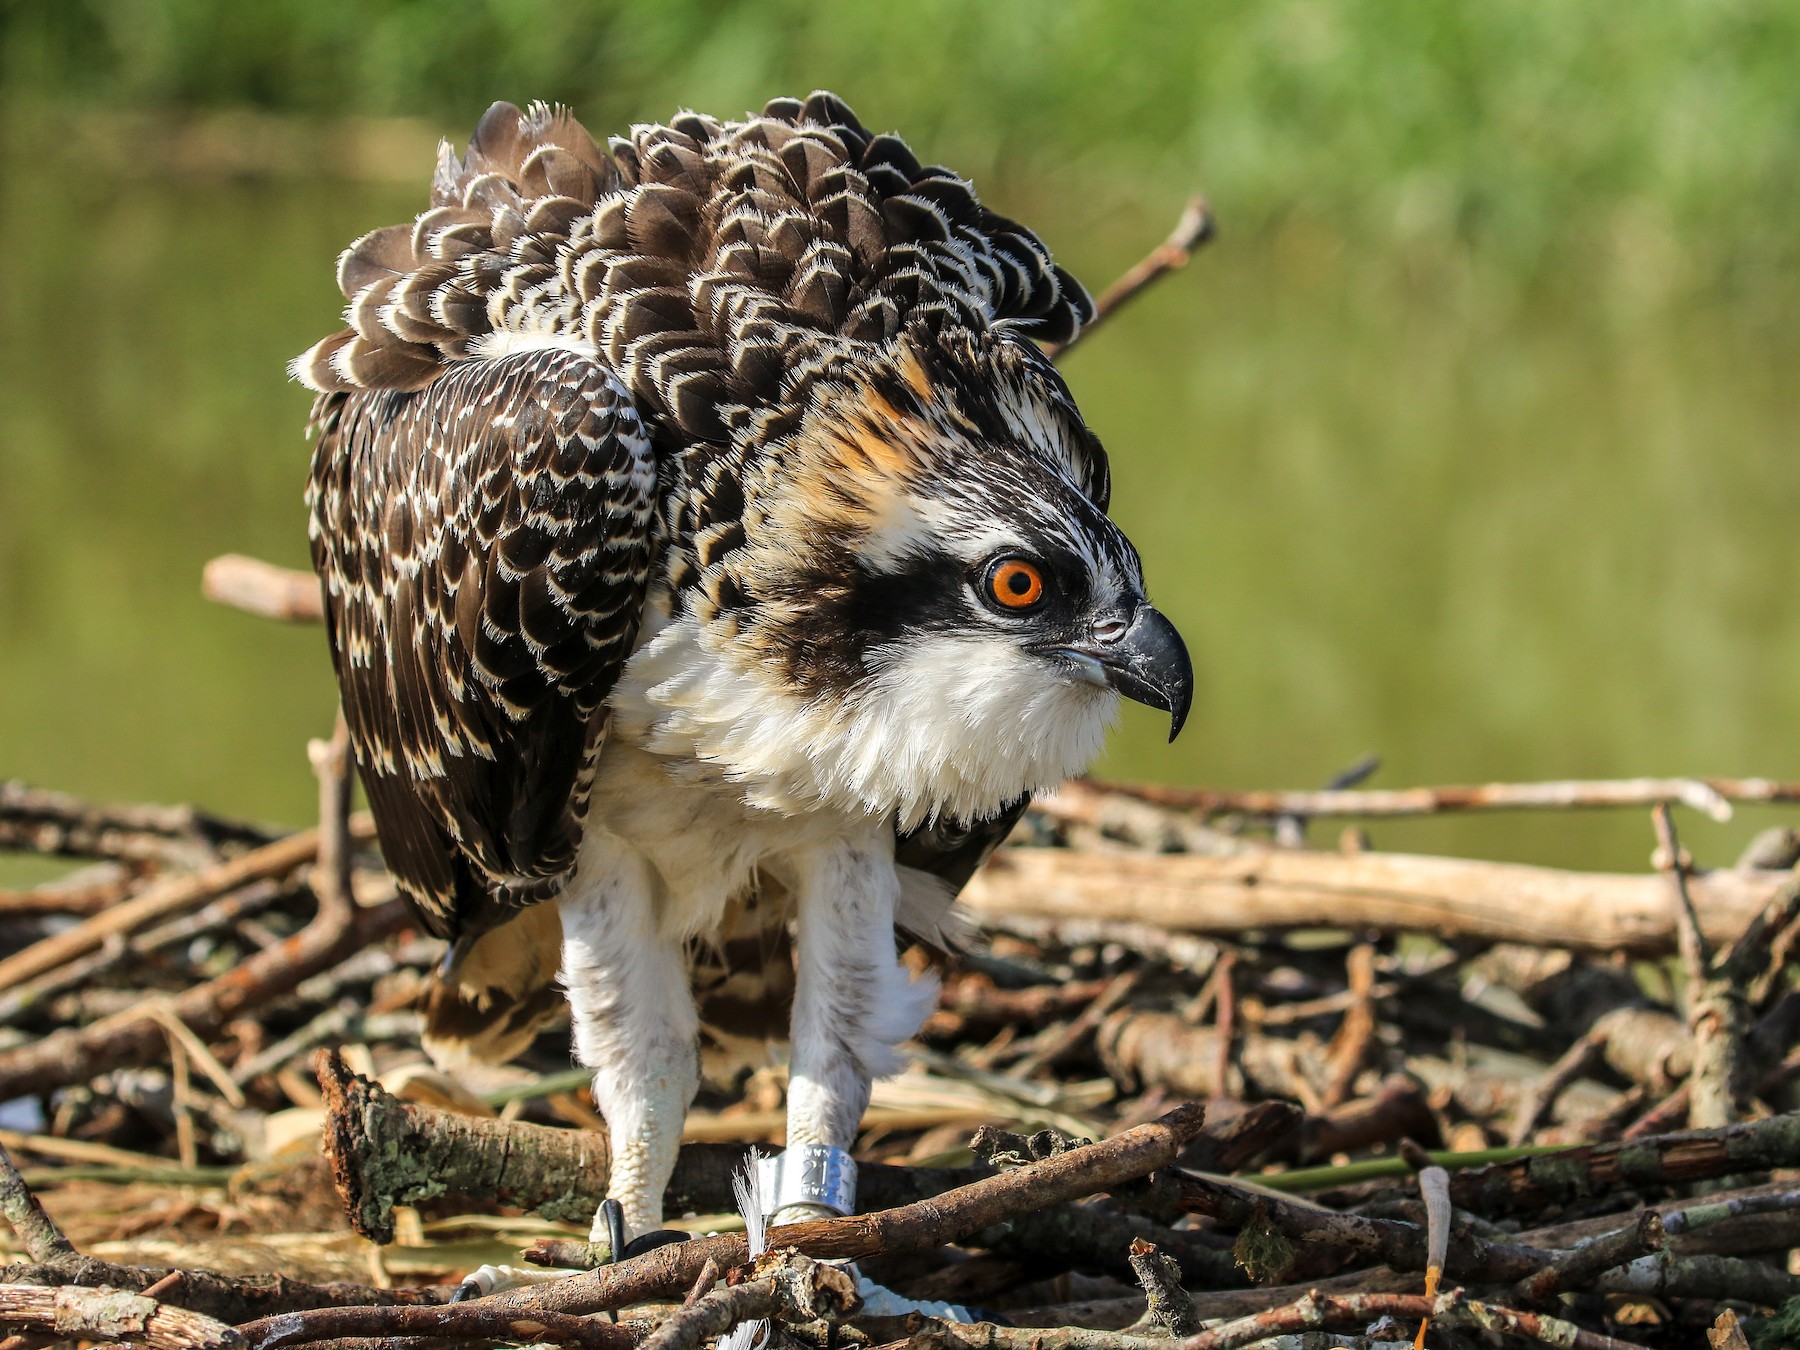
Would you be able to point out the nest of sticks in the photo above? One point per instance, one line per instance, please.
(1196, 1083)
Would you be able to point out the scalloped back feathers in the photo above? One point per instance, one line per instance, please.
(714, 265)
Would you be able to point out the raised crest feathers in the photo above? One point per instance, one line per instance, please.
(771, 233)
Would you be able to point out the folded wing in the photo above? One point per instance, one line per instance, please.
(484, 544)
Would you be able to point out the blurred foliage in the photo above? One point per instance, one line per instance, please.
(1470, 441)
(1659, 143)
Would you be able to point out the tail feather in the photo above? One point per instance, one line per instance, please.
(498, 993)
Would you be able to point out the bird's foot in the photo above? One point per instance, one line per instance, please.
(819, 1182)
(608, 1245)
(493, 1279)
(880, 1301)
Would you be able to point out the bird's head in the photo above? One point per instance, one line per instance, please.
(928, 564)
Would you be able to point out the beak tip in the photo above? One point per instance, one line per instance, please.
(1178, 716)
(1150, 665)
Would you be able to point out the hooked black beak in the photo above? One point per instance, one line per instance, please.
(1147, 662)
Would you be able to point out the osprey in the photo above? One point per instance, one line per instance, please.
(709, 549)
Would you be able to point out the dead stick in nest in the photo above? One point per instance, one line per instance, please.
(67, 899)
(479, 1321)
(1451, 1309)
(385, 1152)
(1313, 1311)
(229, 1298)
(1214, 1305)
(43, 1240)
(230, 908)
(1580, 1265)
(1649, 1046)
(1195, 227)
(165, 898)
(60, 823)
(337, 929)
(55, 1263)
(1062, 1041)
(111, 1315)
(1710, 796)
(1773, 1033)
(1165, 1301)
(973, 1005)
(669, 1272)
(1662, 1275)
(1758, 1219)
(1713, 995)
(1280, 889)
(1395, 1243)
(132, 1039)
(1660, 1160)
(1349, 1048)
(782, 1284)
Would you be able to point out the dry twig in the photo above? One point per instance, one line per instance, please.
(263, 589)
(1710, 796)
(1195, 227)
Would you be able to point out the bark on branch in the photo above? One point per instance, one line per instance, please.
(1599, 1169)
(75, 1314)
(1276, 889)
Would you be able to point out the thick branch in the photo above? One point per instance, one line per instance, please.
(1275, 889)
(477, 1321)
(1314, 1310)
(229, 1298)
(1601, 1169)
(72, 1314)
(386, 1152)
(1577, 1267)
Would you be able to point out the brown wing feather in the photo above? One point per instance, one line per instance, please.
(484, 544)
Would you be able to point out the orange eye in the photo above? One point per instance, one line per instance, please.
(1015, 583)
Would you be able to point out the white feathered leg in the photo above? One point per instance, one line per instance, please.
(853, 1001)
(635, 1027)
(635, 1024)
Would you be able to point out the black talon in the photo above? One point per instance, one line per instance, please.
(465, 1291)
(649, 1242)
(613, 1214)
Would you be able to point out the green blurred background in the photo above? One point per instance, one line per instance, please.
(1469, 442)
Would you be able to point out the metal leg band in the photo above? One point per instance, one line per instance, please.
(808, 1174)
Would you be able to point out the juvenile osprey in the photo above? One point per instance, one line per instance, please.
(707, 546)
